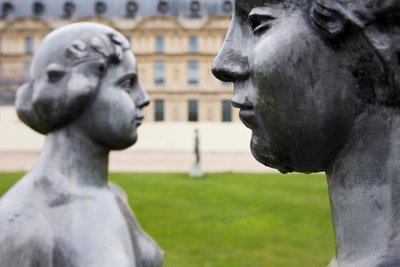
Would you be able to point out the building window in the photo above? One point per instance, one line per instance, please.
(193, 41)
(226, 110)
(29, 45)
(193, 72)
(25, 68)
(159, 71)
(159, 44)
(159, 110)
(193, 110)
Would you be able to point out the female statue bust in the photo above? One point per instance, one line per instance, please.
(84, 95)
(317, 82)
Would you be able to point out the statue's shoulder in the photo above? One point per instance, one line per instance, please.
(118, 192)
(25, 233)
(25, 238)
(147, 251)
(333, 263)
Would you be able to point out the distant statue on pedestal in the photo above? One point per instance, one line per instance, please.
(83, 94)
(318, 83)
(197, 146)
(196, 168)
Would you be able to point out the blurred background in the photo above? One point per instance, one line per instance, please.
(175, 43)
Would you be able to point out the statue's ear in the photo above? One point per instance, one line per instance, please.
(330, 20)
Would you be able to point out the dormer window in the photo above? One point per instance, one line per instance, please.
(131, 9)
(6, 10)
(69, 10)
(227, 6)
(38, 9)
(195, 9)
(163, 7)
(100, 8)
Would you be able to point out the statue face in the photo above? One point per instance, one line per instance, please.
(84, 75)
(116, 111)
(292, 84)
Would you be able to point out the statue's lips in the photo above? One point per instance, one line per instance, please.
(248, 117)
(139, 120)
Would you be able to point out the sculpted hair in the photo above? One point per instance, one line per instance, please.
(110, 46)
(379, 22)
(47, 106)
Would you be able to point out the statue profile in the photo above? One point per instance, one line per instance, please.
(83, 94)
(317, 82)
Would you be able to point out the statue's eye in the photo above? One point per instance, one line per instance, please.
(100, 69)
(260, 23)
(55, 73)
(128, 84)
(262, 18)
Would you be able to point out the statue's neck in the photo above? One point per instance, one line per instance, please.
(71, 156)
(364, 188)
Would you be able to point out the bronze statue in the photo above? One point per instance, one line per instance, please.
(317, 82)
(197, 146)
(83, 93)
(196, 171)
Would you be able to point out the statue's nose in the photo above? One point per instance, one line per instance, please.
(142, 98)
(230, 65)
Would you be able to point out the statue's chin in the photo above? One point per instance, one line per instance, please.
(265, 156)
(128, 143)
(120, 143)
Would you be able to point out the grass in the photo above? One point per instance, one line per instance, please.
(231, 220)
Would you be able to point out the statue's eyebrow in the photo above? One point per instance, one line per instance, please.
(55, 67)
(261, 3)
(245, 6)
(84, 60)
(264, 11)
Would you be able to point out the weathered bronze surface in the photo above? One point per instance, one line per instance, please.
(317, 82)
(84, 95)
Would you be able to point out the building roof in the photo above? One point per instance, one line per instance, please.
(113, 9)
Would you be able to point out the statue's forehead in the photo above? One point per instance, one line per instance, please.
(260, 2)
(252, 3)
(128, 62)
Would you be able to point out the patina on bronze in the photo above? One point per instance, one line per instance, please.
(317, 82)
(83, 93)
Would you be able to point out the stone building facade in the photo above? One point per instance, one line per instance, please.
(175, 42)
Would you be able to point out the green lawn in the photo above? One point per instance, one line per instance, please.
(229, 220)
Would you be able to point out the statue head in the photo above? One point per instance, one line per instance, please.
(87, 72)
(305, 70)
